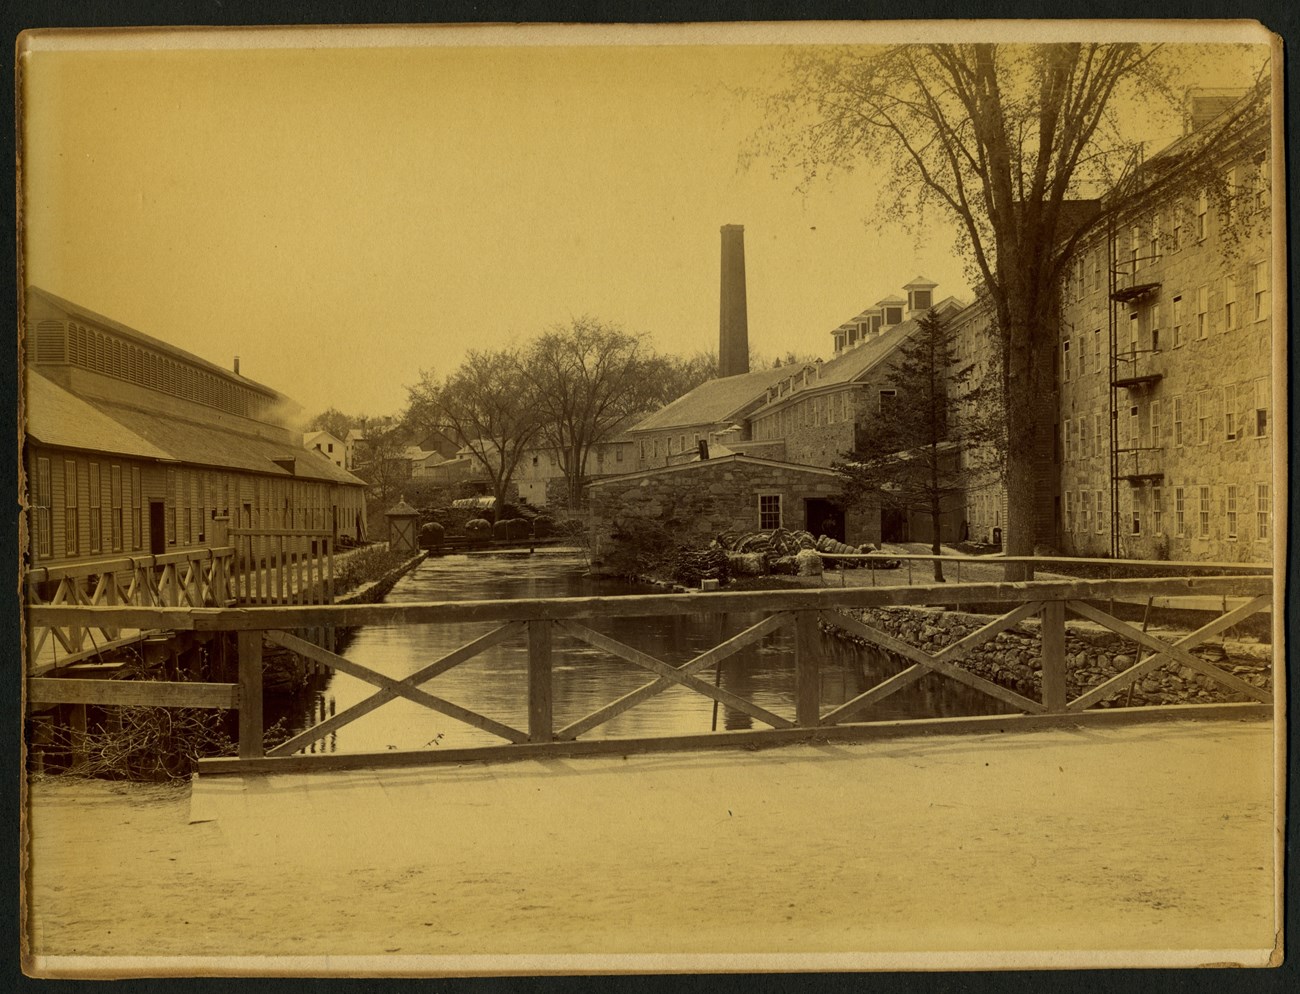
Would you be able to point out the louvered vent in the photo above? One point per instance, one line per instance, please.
(51, 342)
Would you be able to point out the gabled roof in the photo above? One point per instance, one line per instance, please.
(696, 465)
(309, 438)
(35, 293)
(714, 401)
(854, 363)
(57, 417)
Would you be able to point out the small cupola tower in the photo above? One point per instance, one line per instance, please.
(920, 296)
(891, 311)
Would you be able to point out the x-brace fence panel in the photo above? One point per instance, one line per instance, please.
(923, 663)
(1167, 651)
(391, 689)
(670, 675)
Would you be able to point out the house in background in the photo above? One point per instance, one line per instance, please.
(330, 446)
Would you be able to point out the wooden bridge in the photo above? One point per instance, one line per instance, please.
(545, 622)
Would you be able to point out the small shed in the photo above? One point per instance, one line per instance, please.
(403, 528)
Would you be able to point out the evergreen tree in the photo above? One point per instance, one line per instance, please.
(908, 456)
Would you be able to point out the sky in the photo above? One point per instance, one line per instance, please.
(344, 217)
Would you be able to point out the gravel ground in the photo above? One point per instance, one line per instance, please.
(1072, 846)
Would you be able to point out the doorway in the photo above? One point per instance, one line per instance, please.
(893, 524)
(821, 517)
(157, 528)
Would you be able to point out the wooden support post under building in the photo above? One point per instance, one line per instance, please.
(250, 695)
(539, 681)
(1053, 636)
(807, 673)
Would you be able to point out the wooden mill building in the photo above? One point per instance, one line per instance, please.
(134, 446)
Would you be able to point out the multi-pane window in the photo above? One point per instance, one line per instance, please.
(1178, 321)
(1136, 517)
(1202, 311)
(1101, 522)
(1230, 508)
(1229, 303)
(115, 507)
(1153, 245)
(1230, 412)
(1067, 430)
(1154, 325)
(1178, 421)
(1262, 502)
(71, 540)
(1202, 210)
(1083, 356)
(1096, 348)
(1156, 427)
(1204, 511)
(1259, 289)
(1133, 333)
(1135, 247)
(1259, 395)
(137, 510)
(769, 511)
(1134, 430)
(1157, 509)
(41, 507)
(1180, 512)
(1065, 361)
(1100, 442)
(1202, 417)
(1085, 513)
(1083, 438)
(1069, 510)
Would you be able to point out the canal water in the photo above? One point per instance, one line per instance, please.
(494, 683)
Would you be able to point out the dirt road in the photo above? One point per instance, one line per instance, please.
(1119, 841)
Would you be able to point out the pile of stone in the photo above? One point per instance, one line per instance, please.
(1013, 659)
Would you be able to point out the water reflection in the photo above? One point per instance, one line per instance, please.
(585, 678)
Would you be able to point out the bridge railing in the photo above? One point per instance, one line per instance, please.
(544, 621)
(191, 578)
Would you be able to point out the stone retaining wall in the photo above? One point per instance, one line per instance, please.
(1013, 659)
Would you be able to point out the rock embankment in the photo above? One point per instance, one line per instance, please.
(1013, 659)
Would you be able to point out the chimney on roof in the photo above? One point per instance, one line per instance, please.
(236, 365)
(733, 320)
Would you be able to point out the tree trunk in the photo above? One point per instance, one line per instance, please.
(1018, 535)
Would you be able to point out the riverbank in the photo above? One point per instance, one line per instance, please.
(1115, 846)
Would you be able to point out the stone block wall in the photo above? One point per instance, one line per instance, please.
(704, 499)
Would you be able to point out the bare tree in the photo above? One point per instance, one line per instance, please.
(1004, 139)
(588, 378)
(673, 376)
(488, 406)
(335, 422)
(385, 466)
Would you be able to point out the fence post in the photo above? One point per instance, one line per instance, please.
(250, 695)
(807, 674)
(1053, 638)
(539, 680)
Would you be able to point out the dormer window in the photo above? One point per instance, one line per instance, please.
(874, 323)
(921, 300)
(893, 316)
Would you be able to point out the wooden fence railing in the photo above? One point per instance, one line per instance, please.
(188, 579)
(544, 622)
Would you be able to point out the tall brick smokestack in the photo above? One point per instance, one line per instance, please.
(733, 321)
